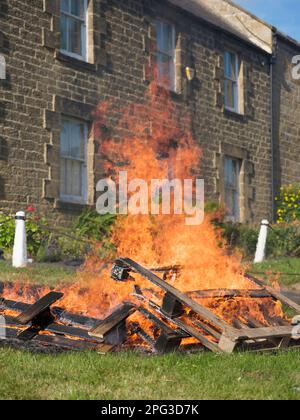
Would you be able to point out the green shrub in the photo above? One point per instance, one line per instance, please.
(92, 225)
(35, 235)
(242, 237)
(283, 240)
(288, 204)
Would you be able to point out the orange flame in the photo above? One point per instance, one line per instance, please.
(153, 140)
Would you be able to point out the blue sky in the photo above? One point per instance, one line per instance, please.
(284, 14)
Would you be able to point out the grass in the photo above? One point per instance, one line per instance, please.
(129, 376)
(288, 268)
(41, 274)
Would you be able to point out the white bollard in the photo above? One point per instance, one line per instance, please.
(262, 241)
(20, 244)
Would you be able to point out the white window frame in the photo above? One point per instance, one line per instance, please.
(84, 32)
(233, 217)
(173, 83)
(84, 193)
(234, 81)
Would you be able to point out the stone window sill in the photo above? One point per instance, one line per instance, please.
(74, 62)
(71, 206)
(234, 114)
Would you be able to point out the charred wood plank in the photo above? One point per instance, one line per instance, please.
(181, 297)
(167, 343)
(275, 293)
(75, 320)
(66, 343)
(64, 330)
(239, 324)
(116, 318)
(228, 293)
(14, 306)
(144, 336)
(193, 332)
(38, 308)
(116, 336)
(207, 328)
(171, 306)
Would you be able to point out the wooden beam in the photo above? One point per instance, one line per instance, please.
(228, 293)
(193, 332)
(39, 307)
(64, 330)
(260, 333)
(167, 343)
(111, 322)
(208, 329)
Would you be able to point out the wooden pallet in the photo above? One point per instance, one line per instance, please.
(41, 326)
(209, 329)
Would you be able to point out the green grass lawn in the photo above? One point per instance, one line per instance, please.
(41, 274)
(132, 376)
(287, 268)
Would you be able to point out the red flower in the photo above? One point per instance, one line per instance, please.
(30, 209)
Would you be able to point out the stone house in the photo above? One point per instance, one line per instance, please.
(229, 69)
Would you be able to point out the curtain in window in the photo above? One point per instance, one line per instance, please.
(73, 159)
(165, 33)
(231, 80)
(73, 27)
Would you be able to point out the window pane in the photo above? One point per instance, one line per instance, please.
(77, 8)
(165, 39)
(232, 187)
(229, 94)
(75, 36)
(64, 139)
(71, 178)
(166, 70)
(73, 156)
(230, 65)
(63, 174)
(64, 32)
(65, 5)
(77, 140)
(76, 179)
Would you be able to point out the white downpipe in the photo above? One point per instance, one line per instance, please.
(262, 242)
(20, 244)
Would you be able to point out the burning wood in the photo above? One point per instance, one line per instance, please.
(162, 322)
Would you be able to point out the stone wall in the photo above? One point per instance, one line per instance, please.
(286, 101)
(42, 84)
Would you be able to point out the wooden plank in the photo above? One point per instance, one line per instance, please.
(193, 332)
(208, 329)
(118, 316)
(275, 293)
(64, 330)
(75, 320)
(105, 348)
(228, 293)
(64, 342)
(181, 297)
(15, 306)
(39, 307)
(260, 333)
